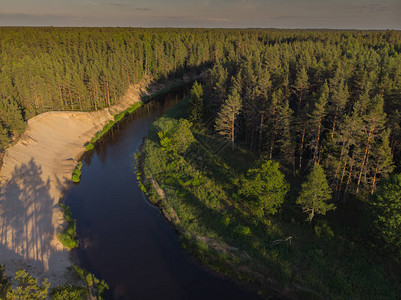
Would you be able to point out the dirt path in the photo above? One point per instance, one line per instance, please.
(34, 175)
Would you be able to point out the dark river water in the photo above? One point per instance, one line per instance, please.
(123, 238)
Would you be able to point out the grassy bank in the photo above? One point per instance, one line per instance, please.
(76, 174)
(68, 235)
(117, 118)
(197, 187)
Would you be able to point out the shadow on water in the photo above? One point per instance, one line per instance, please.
(126, 240)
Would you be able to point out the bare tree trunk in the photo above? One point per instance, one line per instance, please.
(348, 180)
(272, 138)
(261, 127)
(374, 179)
(107, 92)
(70, 96)
(232, 131)
(312, 214)
(315, 154)
(364, 158)
(128, 77)
(301, 149)
(339, 183)
(61, 97)
(95, 97)
(334, 123)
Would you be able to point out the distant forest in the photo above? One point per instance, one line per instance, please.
(43, 69)
(327, 97)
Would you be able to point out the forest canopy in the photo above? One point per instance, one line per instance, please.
(85, 69)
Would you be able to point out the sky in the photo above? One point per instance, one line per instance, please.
(336, 14)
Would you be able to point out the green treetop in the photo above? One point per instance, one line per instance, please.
(385, 210)
(227, 116)
(315, 193)
(196, 103)
(266, 187)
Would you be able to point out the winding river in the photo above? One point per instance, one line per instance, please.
(124, 239)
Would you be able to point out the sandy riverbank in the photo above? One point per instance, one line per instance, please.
(35, 173)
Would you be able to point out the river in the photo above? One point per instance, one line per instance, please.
(123, 238)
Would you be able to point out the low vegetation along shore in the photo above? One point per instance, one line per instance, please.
(245, 216)
(76, 173)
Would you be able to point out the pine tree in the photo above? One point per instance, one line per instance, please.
(381, 161)
(347, 145)
(384, 209)
(338, 100)
(196, 103)
(374, 120)
(28, 287)
(301, 86)
(284, 136)
(315, 122)
(265, 187)
(11, 117)
(273, 118)
(5, 283)
(227, 116)
(315, 194)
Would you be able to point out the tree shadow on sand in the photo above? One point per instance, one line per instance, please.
(26, 212)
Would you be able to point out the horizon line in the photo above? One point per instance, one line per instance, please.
(181, 27)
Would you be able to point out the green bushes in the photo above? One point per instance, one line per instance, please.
(134, 107)
(68, 235)
(323, 230)
(94, 286)
(128, 111)
(177, 138)
(26, 287)
(102, 132)
(117, 118)
(89, 147)
(69, 292)
(383, 215)
(76, 174)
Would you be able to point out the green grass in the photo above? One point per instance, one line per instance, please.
(134, 107)
(68, 235)
(321, 261)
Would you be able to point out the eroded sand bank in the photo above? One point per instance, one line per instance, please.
(34, 174)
